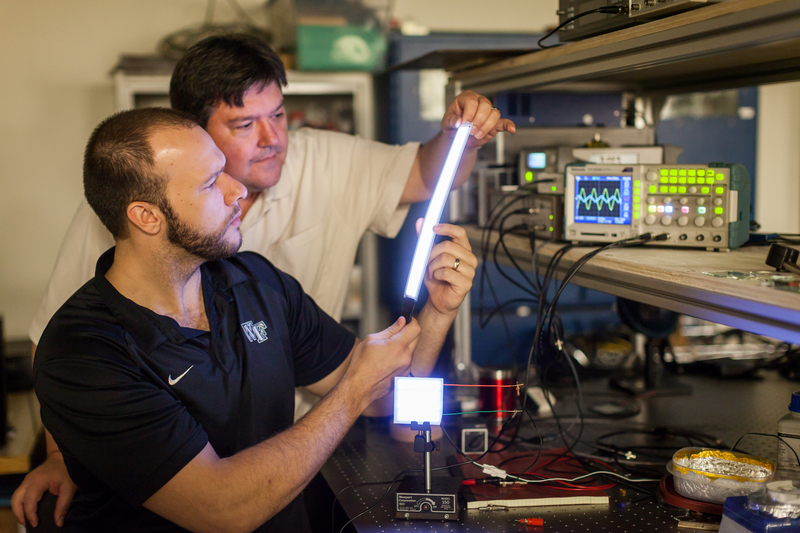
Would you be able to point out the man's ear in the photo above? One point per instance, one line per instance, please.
(146, 217)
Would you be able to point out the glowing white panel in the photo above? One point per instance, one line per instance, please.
(418, 400)
(434, 213)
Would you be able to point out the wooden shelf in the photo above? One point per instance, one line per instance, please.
(675, 279)
(736, 43)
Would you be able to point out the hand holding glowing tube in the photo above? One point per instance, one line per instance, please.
(450, 270)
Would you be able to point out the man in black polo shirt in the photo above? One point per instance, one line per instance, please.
(167, 380)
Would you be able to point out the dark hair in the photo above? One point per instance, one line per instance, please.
(119, 163)
(221, 69)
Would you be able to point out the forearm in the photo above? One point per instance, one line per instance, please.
(434, 326)
(241, 492)
(287, 462)
(486, 124)
(431, 159)
(434, 332)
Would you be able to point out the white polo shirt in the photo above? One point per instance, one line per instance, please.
(333, 188)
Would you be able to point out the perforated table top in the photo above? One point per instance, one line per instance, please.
(723, 408)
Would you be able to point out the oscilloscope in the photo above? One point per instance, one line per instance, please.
(698, 206)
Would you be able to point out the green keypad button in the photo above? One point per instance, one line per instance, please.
(651, 208)
(681, 180)
(653, 189)
(718, 210)
(692, 172)
(636, 183)
(673, 189)
(692, 181)
(673, 179)
(720, 177)
(701, 172)
(663, 188)
(719, 190)
(682, 172)
(701, 180)
(635, 216)
(673, 172)
(682, 190)
(664, 172)
(664, 179)
(704, 190)
(701, 210)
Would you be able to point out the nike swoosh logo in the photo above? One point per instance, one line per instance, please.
(174, 381)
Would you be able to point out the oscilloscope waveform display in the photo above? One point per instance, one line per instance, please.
(603, 199)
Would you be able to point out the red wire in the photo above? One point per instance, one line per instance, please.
(490, 385)
(567, 485)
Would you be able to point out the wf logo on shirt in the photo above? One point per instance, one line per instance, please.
(255, 332)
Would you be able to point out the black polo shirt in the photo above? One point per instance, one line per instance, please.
(131, 397)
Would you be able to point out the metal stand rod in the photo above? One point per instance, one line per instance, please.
(427, 459)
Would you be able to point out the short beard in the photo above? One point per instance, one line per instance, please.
(210, 247)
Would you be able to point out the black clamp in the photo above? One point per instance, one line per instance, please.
(782, 258)
(421, 446)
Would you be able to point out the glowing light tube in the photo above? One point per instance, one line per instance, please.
(432, 216)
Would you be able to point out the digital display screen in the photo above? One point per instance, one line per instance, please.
(537, 160)
(603, 199)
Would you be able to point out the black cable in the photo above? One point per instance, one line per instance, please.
(502, 233)
(542, 299)
(353, 485)
(507, 303)
(549, 316)
(532, 293)
(548, 276)
(502, 315)
(534, 252)
(388, 489)
(492, 221)
(494, 215)
(545, 319)
(693, 438)
(733, 448)
(611, 10)
(514, 196)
